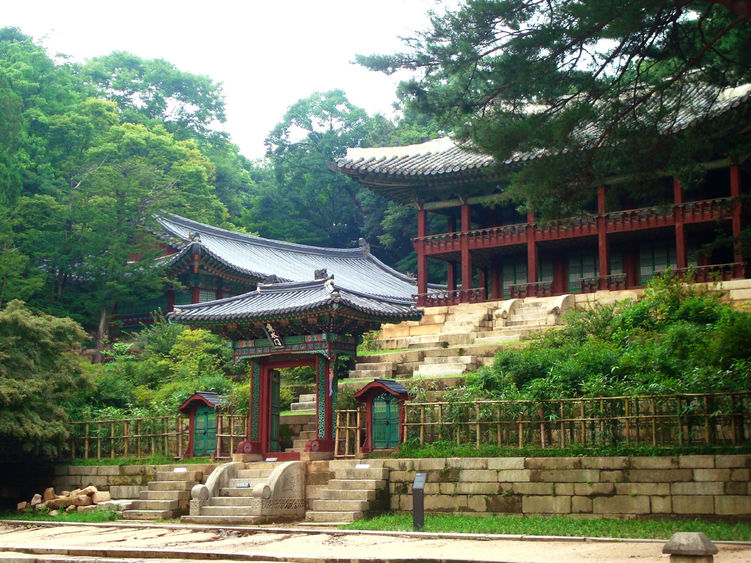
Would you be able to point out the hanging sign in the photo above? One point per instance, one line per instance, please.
(273, 335)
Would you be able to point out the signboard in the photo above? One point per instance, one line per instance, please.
(273, 336)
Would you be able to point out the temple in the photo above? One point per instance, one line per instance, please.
(491, 251)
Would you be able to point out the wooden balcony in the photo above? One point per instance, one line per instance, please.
(586, 225)
(445, 297)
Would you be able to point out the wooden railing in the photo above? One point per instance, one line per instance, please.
(530, 289)
(656, 420)
(350, 433)
(444, 297)
(164, 436)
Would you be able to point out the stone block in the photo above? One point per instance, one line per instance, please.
(61, 470)
(445, 475)
(642, 488)
(553, 463)
(445, 503)
(125, 491)
(533, 488)
(653, 462)
(694, 504)
(108, 470)
(430, 488)
(407, 476)
(506, 463)
(581, 504)
(82, 470)
(740, 475)
(735, 488)
(477, 488)
(696, 461)
(429, 464)
(566, 475)
(733, 505)
(467, 462)
(405, 502)
(661, 504)
(446, 488)
(732, 461)
(476, 503)
(546, 505)
(135, 470)
(594, 489)
(660, 475)
(514, 475)
(707, 488)
(612, 476)
(711, 474)
(478, 475)
(619, 462)
(621, 504)
(504, 504)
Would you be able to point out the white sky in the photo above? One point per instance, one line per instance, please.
(268, 54)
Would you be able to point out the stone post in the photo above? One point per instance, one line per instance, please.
(690, 547)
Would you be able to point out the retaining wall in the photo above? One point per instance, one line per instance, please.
(620, 487)
(122, 481)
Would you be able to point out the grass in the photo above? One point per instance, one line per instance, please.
(361, 352)
(153, 460)
(652, 528)
(289, 413)
(98, 515)
(451, 449)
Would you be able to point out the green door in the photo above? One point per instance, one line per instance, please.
(204, 431)
(274, 440)
(385, 421)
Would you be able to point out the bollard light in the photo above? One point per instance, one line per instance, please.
(418, 502)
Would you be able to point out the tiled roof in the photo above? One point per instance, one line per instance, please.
(444, 159)
(289, 299)
(259, 258)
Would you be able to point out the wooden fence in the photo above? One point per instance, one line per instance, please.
(658, 420)
(164, 436)
(350, 432)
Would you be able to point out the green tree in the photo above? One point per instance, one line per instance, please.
(606, 84)
(39, 374)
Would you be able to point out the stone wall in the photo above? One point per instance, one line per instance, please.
(620, 487)
(122, 481)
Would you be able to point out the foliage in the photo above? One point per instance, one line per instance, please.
(605, 84)
(675, 339)
(39, 373)
(99, 515)
(658, 528)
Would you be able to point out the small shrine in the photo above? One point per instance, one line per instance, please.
(291, 324)
(201, 411)
(384, 414)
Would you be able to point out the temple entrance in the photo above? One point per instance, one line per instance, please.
(385, 421)
(205, 431)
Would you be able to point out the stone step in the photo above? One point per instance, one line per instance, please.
(233, 501)
(338, 505)
(233, 492)
(347, 494)
(377, 473)
(431, 370)
(307, 434)
(298, 445)
(179, 475)
(306, 398)
(156, 505)
(367, 366)
(181, 496)
(372, 374)
(449, 360)
(359, 484)
(308, 406)
(251, 481)
(171, 485)
(211, 510)
(254, 472)
(146, 514)
(332, 516)
(222, 520)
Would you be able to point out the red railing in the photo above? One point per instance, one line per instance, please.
(612, 282)
(712, 272)
(574, 227)
(444, 297)
(535, 289)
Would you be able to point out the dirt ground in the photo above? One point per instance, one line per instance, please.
(300, 545)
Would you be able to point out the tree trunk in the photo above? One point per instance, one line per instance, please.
(101, 335)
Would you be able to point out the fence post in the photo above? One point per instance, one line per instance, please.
(561, 425)
(86, 441)
(628, 421)
(126, 438)
(112, 440)
(99, 440)
(422, 424)
(477, 425)
(521, 429)
(179, 437)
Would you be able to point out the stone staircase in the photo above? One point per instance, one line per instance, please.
(249, 493)
(357, 490)
(308, 432)
(304, 403)
(167, 497)
(455, 340)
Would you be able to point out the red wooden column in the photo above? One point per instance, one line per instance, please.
(496, 279)
(451, 266)
(466, 258)
(603, 256)
(422, 259)
(680, 229)
(531, 251)
(735, 192)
